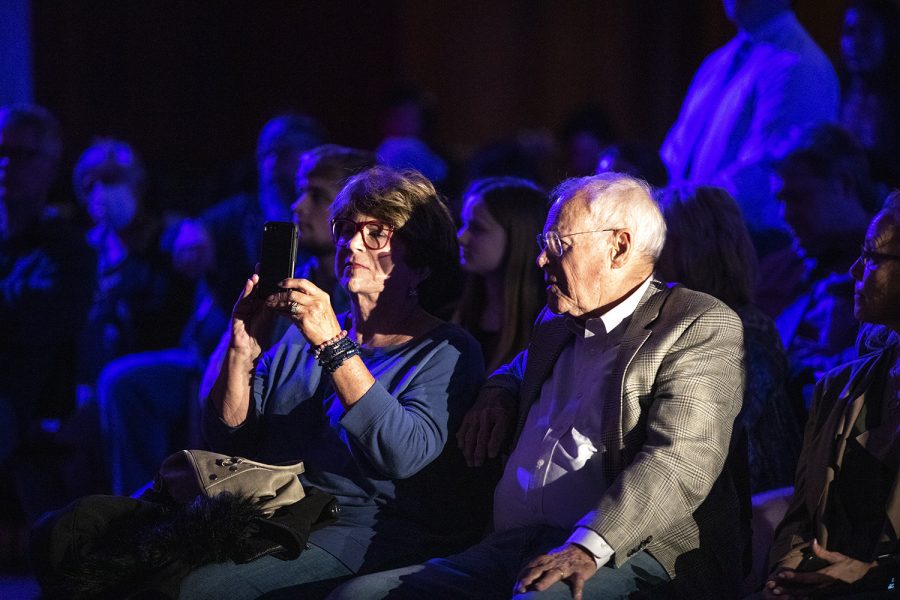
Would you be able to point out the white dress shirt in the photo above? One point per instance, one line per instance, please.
(554, 475)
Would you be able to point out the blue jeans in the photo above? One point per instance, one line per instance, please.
(490, 569)
(144, 402)
(311, 575)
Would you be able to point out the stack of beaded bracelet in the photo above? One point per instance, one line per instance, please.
(331, 354)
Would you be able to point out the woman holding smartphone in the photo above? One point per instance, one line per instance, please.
(367, 399)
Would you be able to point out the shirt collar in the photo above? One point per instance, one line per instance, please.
(612, 318)
(772, 30)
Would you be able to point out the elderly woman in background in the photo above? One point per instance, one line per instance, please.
(367, 399)
(504, 289)
(708, 249)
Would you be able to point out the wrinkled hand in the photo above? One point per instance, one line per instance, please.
(486, 426)
(841, 571)
(193, 250)
(251, 323)
(314, 316)
(569, 563)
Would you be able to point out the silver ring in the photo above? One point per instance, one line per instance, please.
(561, 572)
(295, 308)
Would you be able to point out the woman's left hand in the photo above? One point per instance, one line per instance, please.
(841, 570)
(308, 307)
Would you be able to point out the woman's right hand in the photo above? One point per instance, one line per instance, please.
(251, 322)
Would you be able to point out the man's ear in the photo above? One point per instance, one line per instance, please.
(621, 247)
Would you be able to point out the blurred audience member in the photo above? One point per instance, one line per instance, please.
(870, 107)
(408, 119)
(222, 245)
(708, 249)
(743, 102)
(635, 159)
(147, 400)
(504, 290)
(130, 311)
(583, 135)
(827, 198)
(46, 277)
(839, 537)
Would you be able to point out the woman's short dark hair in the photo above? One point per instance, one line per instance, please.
(409, 202)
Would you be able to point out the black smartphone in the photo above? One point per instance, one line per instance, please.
(278, 255)
(811, 562)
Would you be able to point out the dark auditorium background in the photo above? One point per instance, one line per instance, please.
(190, 83)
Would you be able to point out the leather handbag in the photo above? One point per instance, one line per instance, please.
(187, 474)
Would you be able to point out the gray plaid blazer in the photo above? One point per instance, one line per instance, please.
(667, 425)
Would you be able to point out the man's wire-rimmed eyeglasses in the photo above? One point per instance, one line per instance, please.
(551, 242)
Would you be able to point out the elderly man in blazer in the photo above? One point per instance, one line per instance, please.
(622, 409)
(840, 533)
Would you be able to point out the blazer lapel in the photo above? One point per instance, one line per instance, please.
(633, 339)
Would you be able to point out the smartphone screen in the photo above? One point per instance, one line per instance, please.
(278, 255)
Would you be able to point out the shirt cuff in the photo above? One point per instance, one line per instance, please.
(594, 543)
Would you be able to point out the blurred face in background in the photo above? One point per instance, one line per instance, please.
(482, 240)
(813, 207)
(26, 174)
(862, 41)
(310, 211)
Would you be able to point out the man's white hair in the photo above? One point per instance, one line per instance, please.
(620, 201)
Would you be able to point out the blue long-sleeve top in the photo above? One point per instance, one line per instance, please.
(404, 490)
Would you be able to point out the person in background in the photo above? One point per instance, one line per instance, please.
(708, 249)
(368, 399)
(839, 536)
(222, 245)
(622, 407)
(504, 291)
(743, 103)
(870, 102)
(47, 272)
(131, 309)
(827, 198)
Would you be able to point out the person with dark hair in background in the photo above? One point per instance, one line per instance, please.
(368, 399)
(146, 400)
(708, 249)
(870, 103)
(743, 103)
(839, 536)
(827, 197)
(504, 290)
